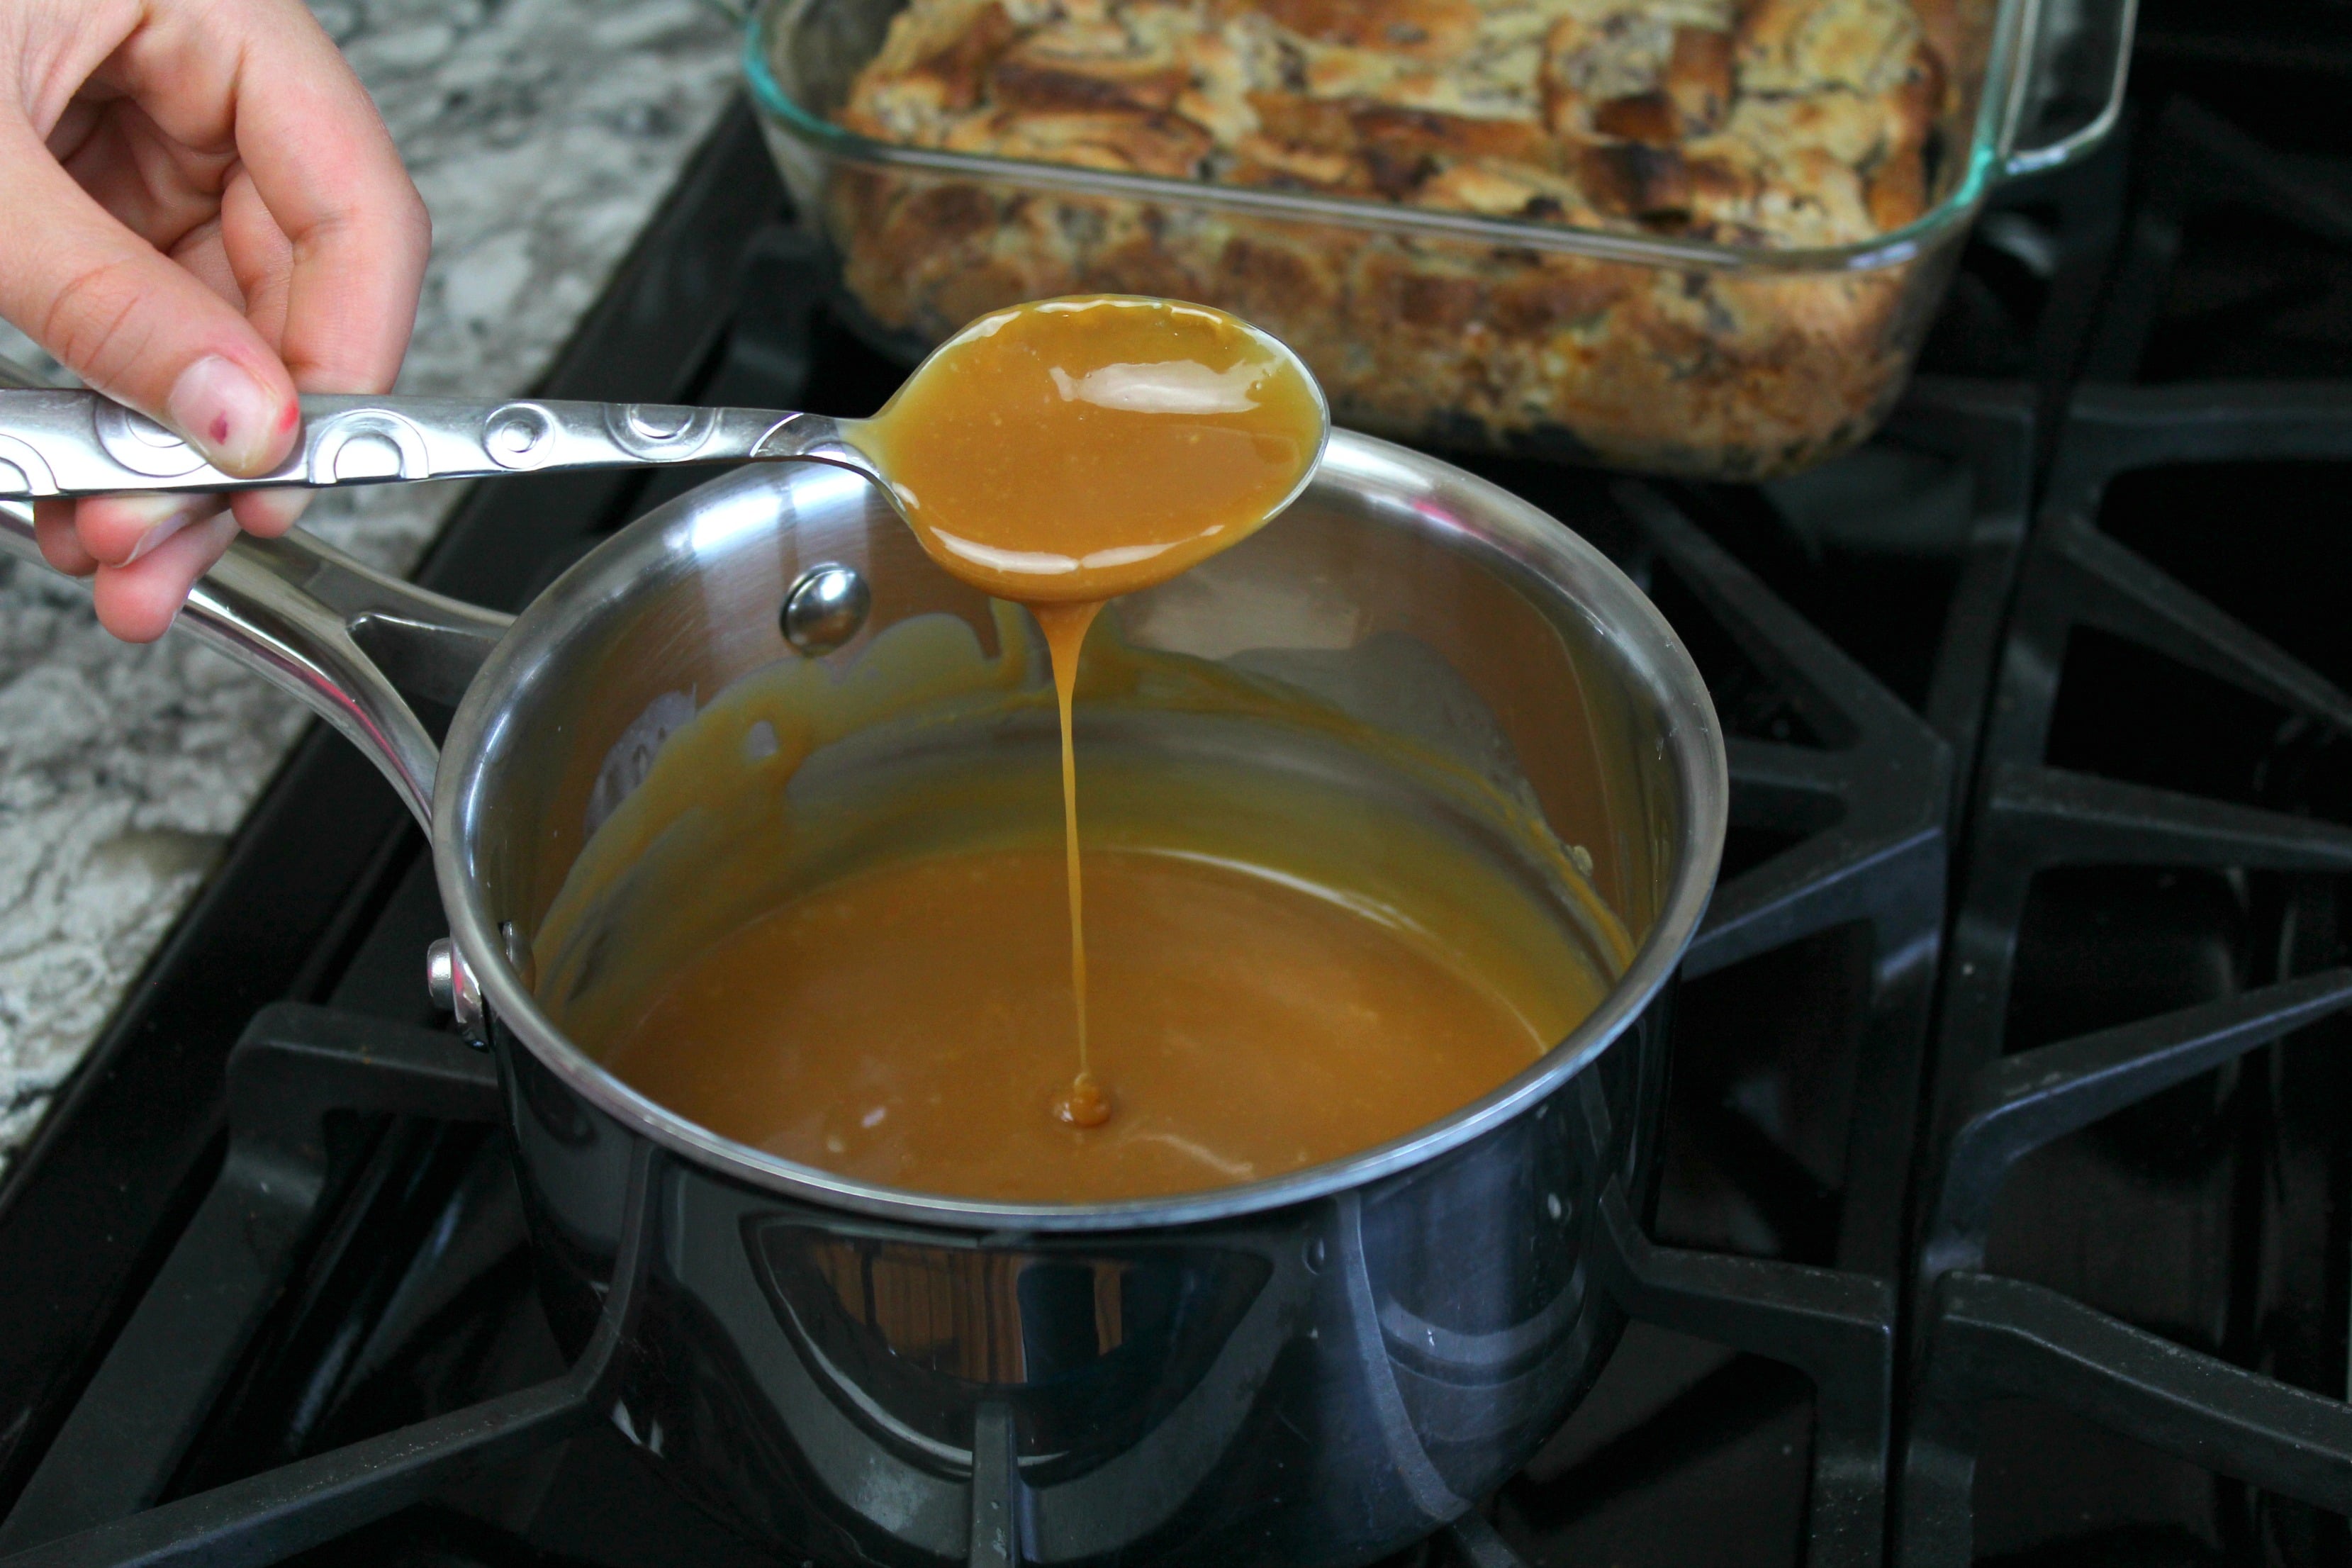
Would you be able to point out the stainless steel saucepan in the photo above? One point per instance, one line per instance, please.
(1310, 1370)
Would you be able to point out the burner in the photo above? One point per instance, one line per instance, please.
(2002, 1208)
(2131, 1288)
(394, 1299)
(2233, 262)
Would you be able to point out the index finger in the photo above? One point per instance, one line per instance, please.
(309, 138)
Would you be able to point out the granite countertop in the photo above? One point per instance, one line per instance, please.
(542, 135)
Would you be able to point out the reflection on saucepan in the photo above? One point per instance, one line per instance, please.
(1132, 1393)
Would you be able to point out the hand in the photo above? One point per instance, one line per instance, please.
(205, 216)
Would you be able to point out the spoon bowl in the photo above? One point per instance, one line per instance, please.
(1071, 450)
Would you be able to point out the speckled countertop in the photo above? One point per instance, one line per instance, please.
(542, 133)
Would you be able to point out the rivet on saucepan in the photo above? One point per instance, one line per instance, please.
(826, 608)
(451, 984)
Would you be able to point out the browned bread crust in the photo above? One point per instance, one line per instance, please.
(1759, 123)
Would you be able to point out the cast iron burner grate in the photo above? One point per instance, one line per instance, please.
(298, 1082)
(287, 1292)
(176, 1402)
(2131, 1279)
(335, 1326)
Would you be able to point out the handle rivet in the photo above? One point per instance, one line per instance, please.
(451, 984)
(827, 606)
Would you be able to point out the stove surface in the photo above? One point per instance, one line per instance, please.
(2004, 1210)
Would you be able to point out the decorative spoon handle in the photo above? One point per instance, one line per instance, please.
(80, 443)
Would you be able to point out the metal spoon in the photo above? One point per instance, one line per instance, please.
(65, 444)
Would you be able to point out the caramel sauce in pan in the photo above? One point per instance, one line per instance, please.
(1060, 453)
(1287, 966)
(893, 1033)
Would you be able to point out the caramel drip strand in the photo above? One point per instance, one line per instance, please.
(1087, 1104)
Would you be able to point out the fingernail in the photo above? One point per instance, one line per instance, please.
(178, 512)
(229, 416)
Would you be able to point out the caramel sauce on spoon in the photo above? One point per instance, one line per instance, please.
(1062, 453)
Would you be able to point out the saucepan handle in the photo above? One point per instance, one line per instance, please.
(341, 636)
(2070, 83)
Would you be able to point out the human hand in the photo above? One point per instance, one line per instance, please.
(206, 216)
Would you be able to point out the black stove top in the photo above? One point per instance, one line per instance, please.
(2006, 1202)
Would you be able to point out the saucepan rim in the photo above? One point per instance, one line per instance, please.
(1475, 514)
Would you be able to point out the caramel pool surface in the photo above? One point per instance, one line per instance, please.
(890, 1026)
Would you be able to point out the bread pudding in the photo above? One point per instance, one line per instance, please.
(1769, 125)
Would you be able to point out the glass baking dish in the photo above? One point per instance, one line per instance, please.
(1617, 345)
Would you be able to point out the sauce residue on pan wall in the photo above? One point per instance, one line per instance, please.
(755, 939)
(1062, 452)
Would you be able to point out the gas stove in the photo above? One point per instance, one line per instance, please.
(2004, 1209)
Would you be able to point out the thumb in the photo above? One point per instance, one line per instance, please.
(134, 324)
